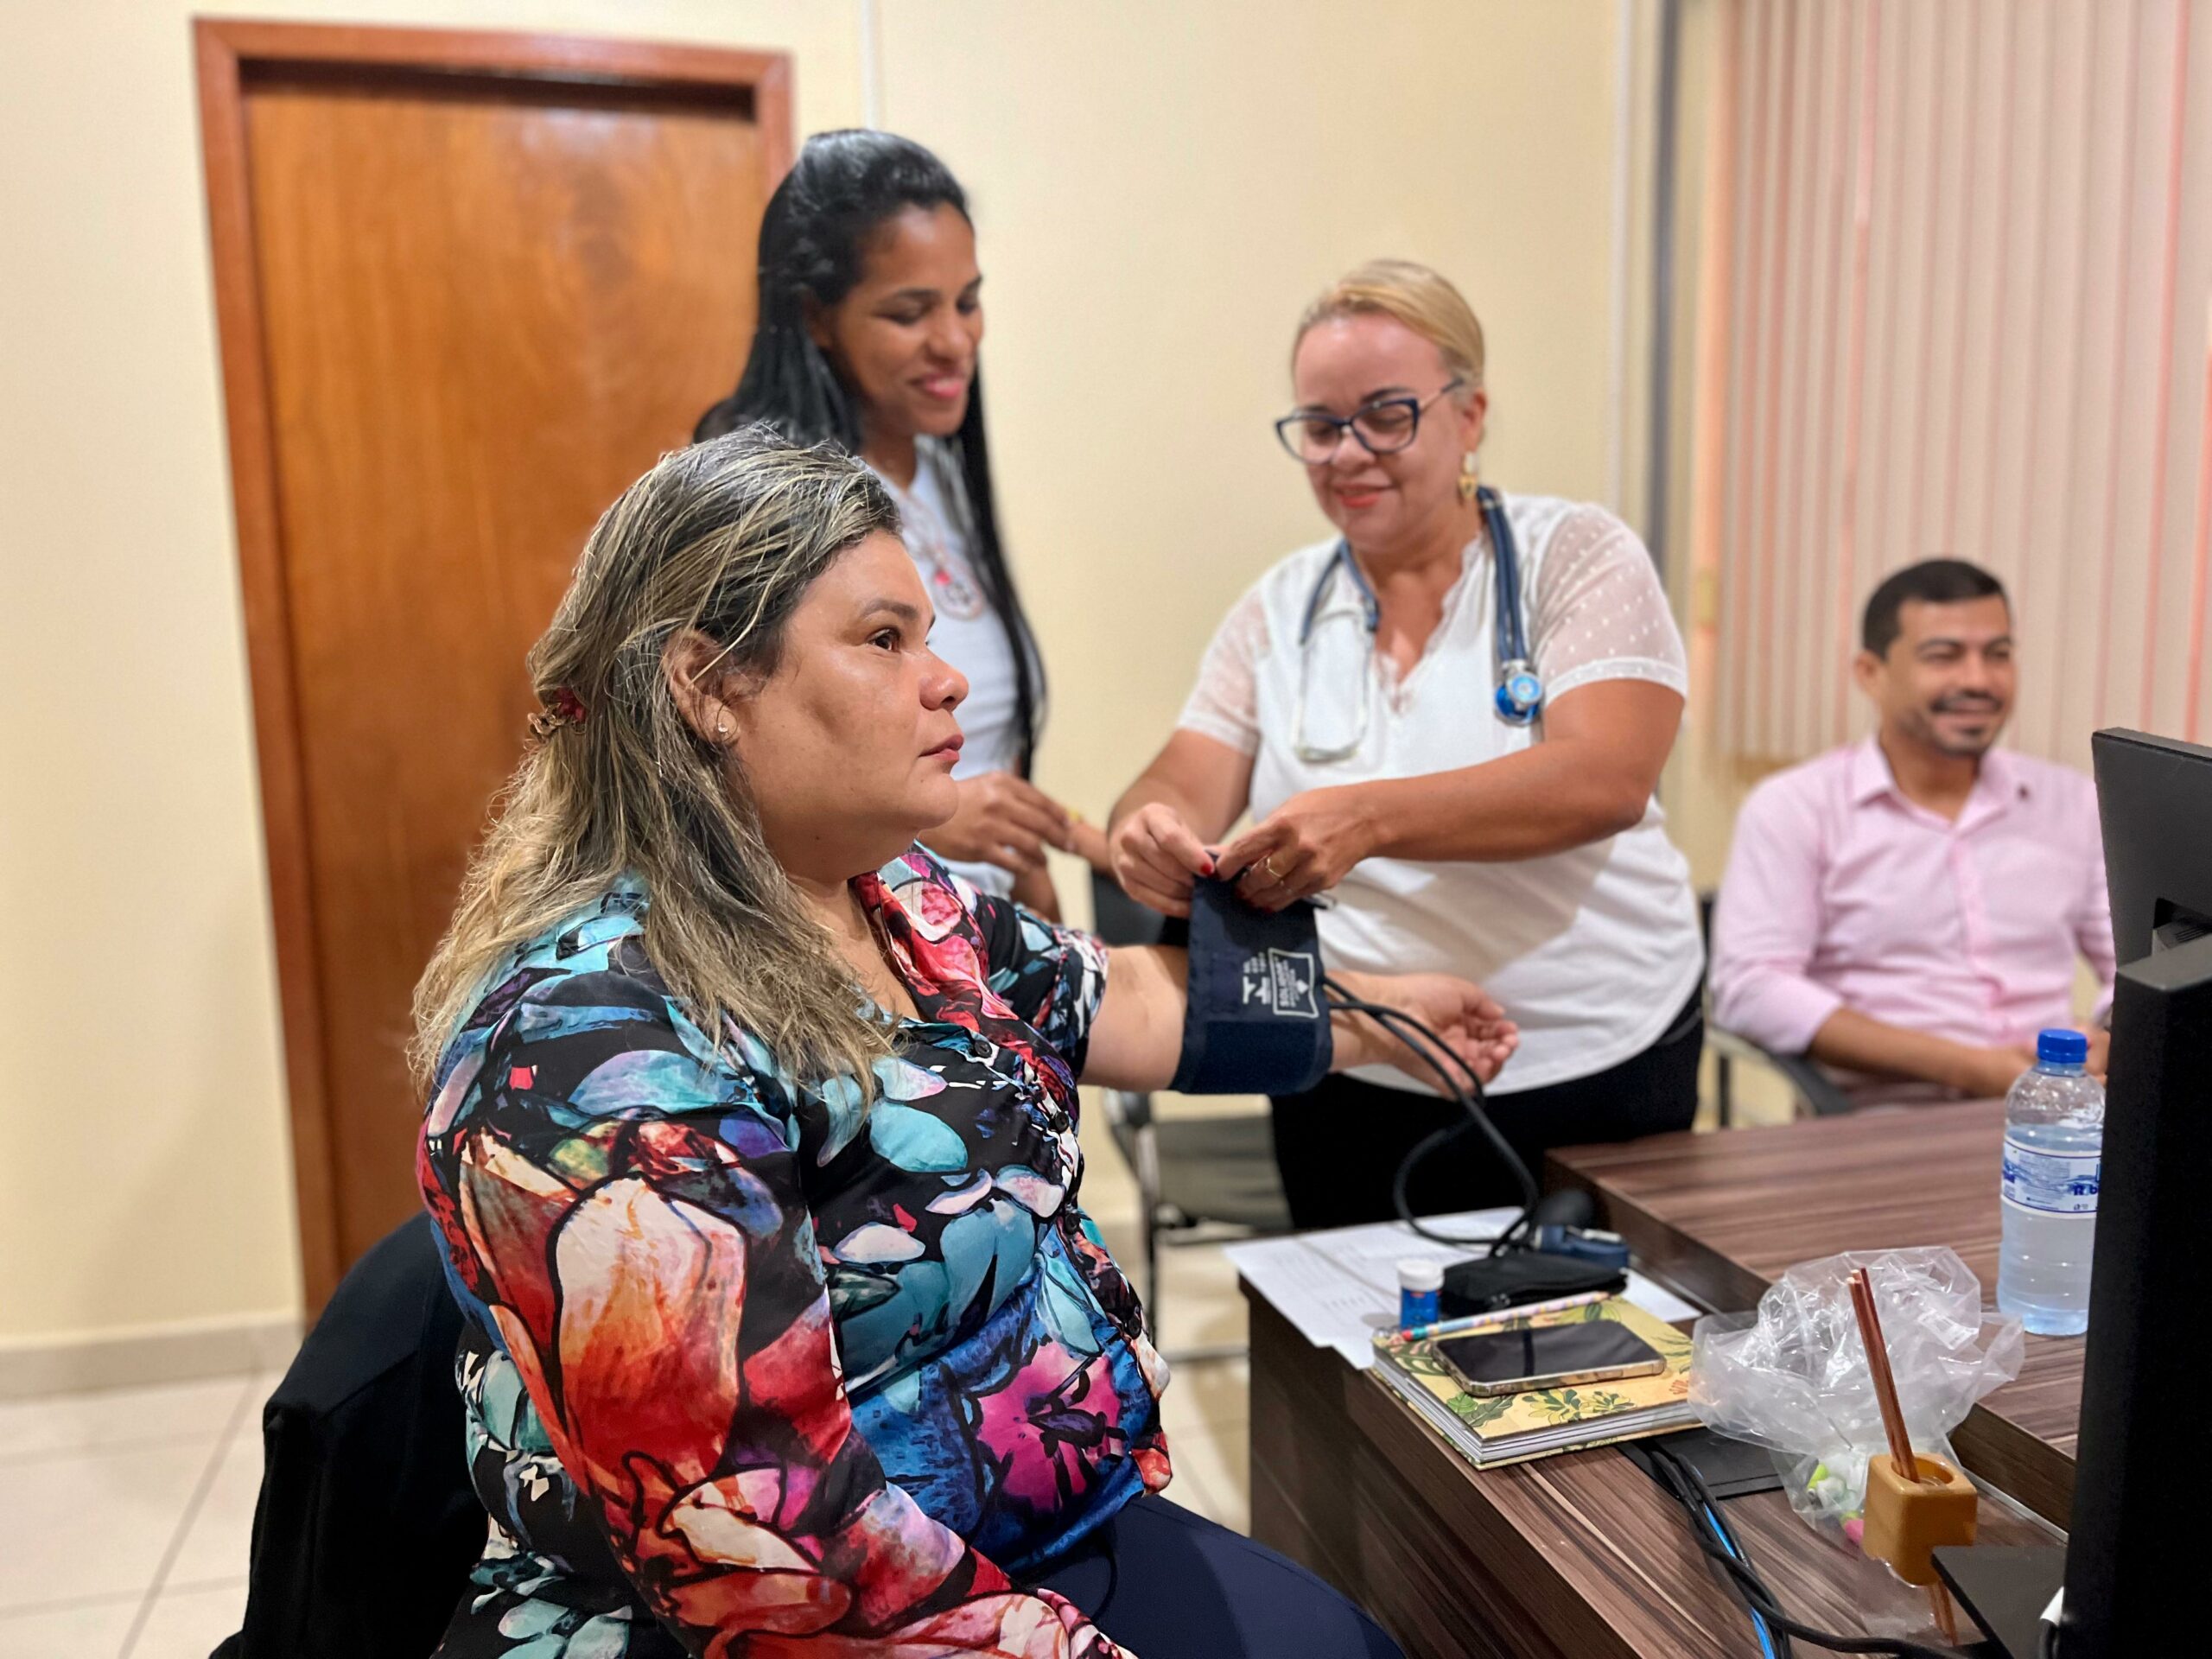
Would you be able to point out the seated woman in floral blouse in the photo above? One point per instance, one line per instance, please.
(751, 1137)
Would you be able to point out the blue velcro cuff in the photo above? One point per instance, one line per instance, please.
(1256, 1023)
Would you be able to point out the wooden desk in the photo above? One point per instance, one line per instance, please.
(1718, 1217)
(1580, 1556)
(1583, 1556)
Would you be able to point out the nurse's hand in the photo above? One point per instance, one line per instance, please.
(1468, 1019)
(1305, 846)
(1002, 820)
(1155, 856)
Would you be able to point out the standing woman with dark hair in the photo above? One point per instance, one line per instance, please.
(870, 314)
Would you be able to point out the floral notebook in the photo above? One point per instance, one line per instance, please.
(1490, 1429)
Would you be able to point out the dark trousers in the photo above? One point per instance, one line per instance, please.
(1338, 1145)
(1166, 1584)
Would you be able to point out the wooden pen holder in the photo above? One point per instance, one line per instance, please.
(1906, 1519)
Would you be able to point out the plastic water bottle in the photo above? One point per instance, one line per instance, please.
(2054, 1156)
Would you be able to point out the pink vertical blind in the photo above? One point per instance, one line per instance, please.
(1965, 286)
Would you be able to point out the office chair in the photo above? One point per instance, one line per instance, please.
(1818, 1096)
(1199, 1181)
(366, 1526)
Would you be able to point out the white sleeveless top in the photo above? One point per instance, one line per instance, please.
(968, 634)
(1593, 951)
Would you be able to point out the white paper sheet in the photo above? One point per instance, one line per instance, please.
(1340, 1287)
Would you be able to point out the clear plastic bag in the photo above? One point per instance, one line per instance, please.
(1793, 1376)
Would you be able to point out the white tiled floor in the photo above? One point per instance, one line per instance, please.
(125, 1519)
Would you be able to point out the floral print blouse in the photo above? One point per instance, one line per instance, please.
(751, 1370)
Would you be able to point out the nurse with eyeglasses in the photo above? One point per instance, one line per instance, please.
(1451, 716)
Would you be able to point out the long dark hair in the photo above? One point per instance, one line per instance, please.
(813, 239)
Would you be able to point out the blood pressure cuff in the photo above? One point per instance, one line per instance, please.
(1257, 1022)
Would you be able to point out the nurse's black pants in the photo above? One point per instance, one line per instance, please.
(1339, 1144)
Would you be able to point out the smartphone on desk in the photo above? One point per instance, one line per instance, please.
(1548, 1357)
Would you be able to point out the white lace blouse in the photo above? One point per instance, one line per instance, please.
(1593, 951)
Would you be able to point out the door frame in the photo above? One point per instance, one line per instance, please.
(226, 51)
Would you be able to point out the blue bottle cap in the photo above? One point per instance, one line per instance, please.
(2059, 1047)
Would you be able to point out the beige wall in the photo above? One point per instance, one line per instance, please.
(148, 1181)
(1703, 786)
(1159, 186)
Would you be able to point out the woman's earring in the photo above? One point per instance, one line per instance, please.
(1470, 478)
(722, 731)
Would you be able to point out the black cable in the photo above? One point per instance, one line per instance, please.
(1689, 1490)
(1676, 1475)
(1428, 1046)
(1419, 1038)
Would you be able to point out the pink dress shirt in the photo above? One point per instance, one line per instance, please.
(1840, 892)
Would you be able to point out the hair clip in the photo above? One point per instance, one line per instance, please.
(563, 707)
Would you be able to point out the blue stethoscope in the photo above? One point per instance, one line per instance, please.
(1520, 695)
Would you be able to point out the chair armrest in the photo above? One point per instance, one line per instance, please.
(1804, 1074)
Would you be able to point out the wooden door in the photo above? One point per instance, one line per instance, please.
(469, 287)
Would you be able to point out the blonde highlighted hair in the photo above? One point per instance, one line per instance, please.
(1417, 296)
(724, 539)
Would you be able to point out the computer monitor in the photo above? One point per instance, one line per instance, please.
(2154, 795)
(2133, 1551)
(2132, 1548)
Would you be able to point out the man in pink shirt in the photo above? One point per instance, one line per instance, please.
(1909, 910)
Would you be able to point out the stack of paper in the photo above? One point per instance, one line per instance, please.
(1492, 1429)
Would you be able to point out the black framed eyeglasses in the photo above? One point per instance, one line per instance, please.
(1382, 427)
